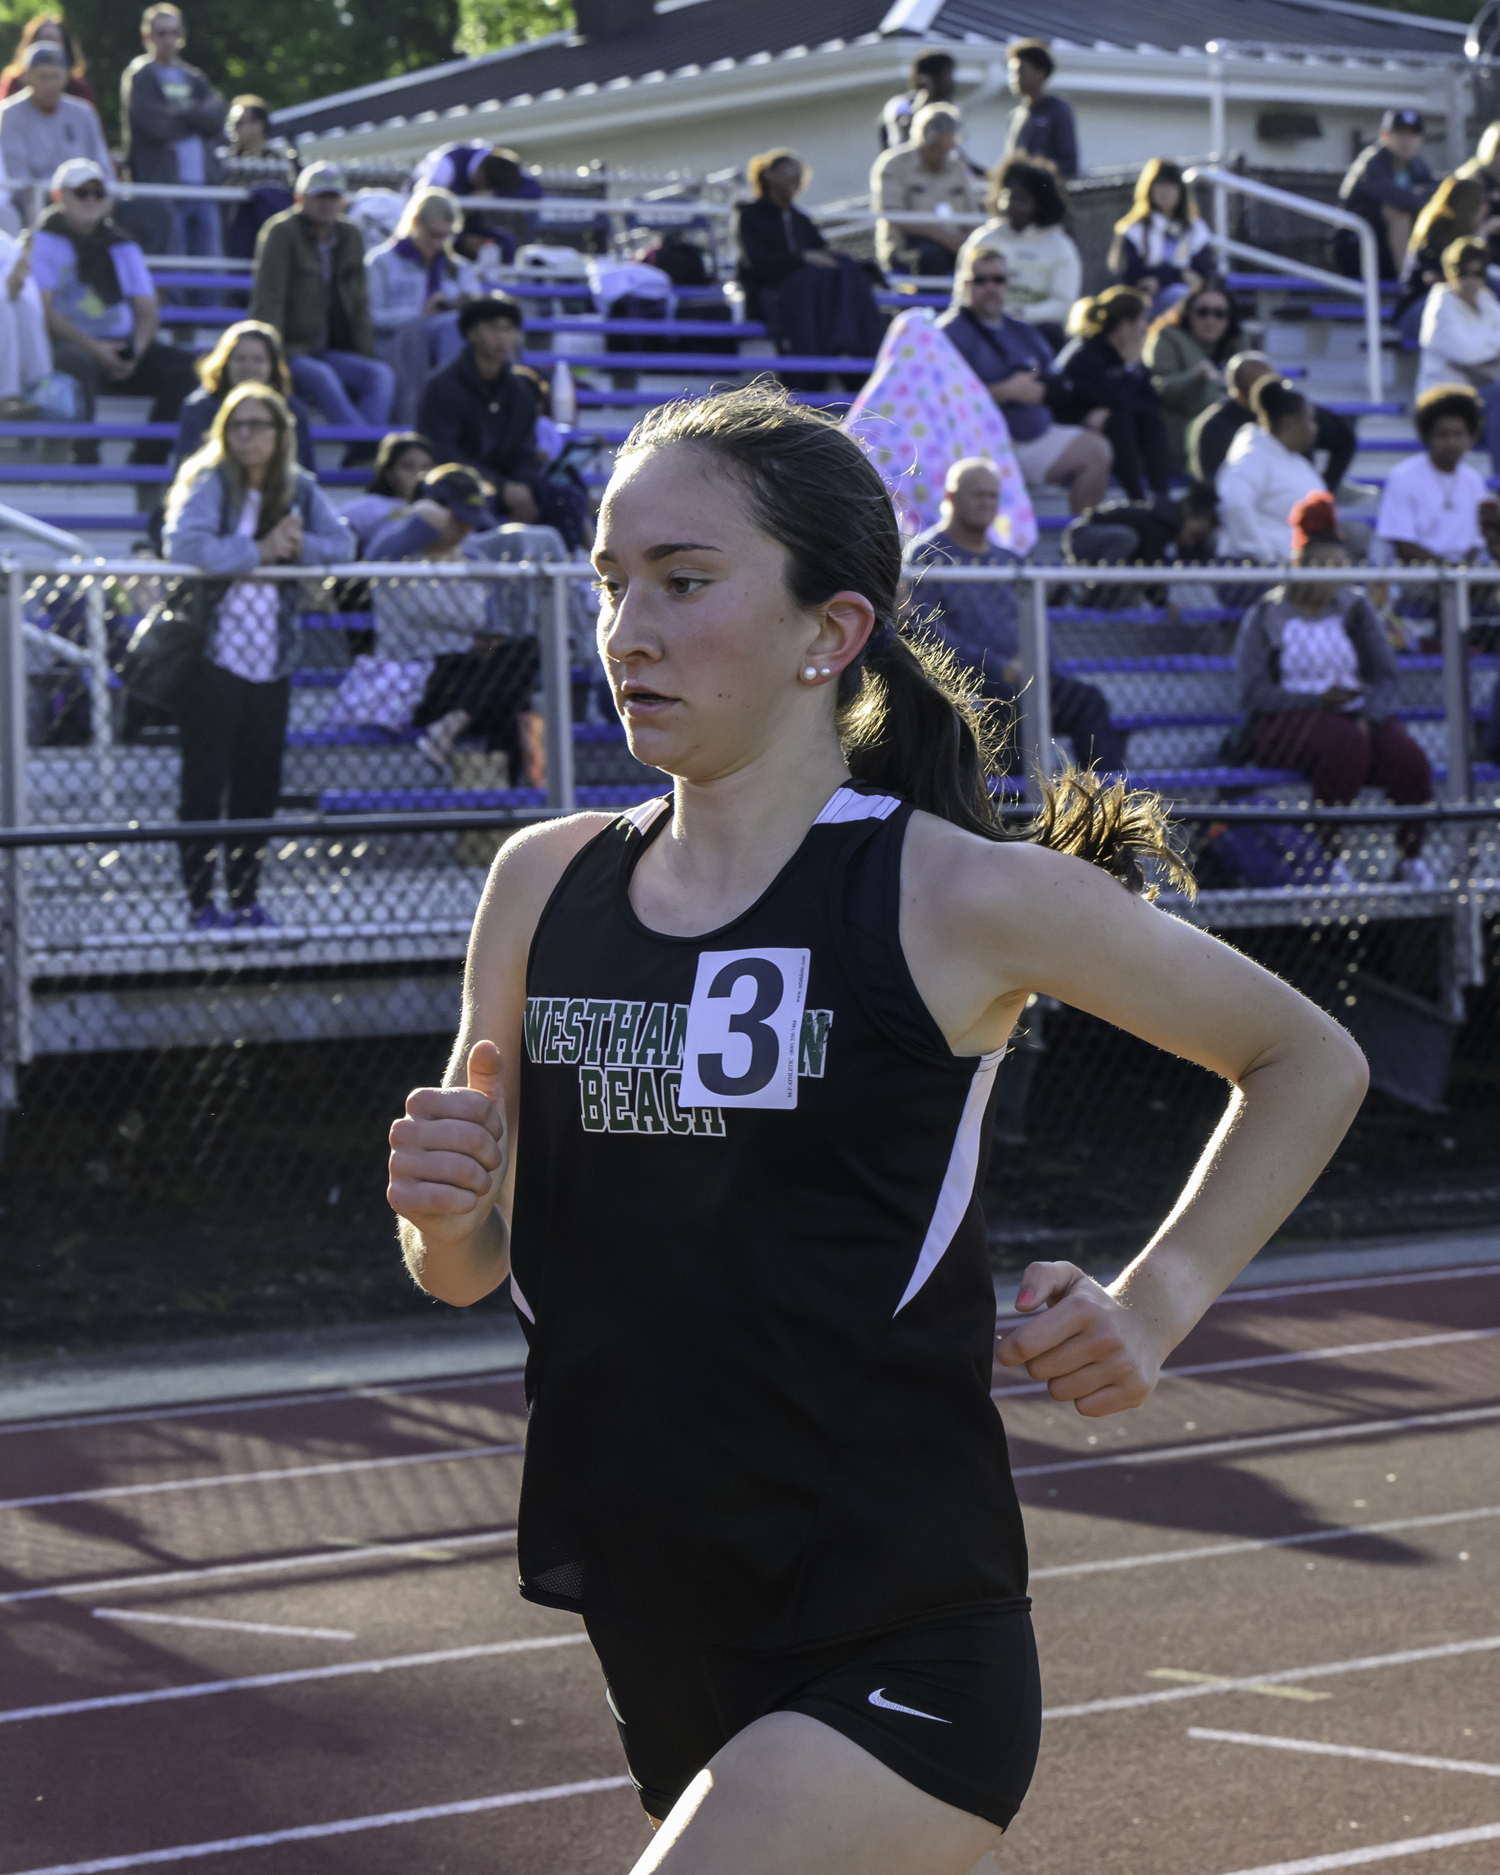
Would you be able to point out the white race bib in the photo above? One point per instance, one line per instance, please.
(742, 1029)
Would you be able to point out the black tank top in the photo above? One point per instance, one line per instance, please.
(750, 1260)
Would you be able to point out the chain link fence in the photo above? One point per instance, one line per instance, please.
(195, 1108)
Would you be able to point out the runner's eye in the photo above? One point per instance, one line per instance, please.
(684, 585)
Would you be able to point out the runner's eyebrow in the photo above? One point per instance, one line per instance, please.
(669, 547)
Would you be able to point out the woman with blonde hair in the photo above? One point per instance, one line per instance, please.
(1162, 246)
(1460, 333)
(417, 281)
(248, 352)
(1101, 369)
(240, 503)
(1457, 212)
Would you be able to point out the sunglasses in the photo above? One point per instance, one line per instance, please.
(1472, 273)
(1210, 312)
(90, 192)
(249, 426)
(989, 279)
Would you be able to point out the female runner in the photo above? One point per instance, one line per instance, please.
(719, 1108)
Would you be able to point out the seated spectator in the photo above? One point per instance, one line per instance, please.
(1162, 247)
(1028, 209)
(242, 502)
(815, 302)
(171, 118)
(42, 127)
(1041, 127)
(1101, 369)
(1436, 510)
(402, 460)
(926, 176)
(1483, 167)
(1014, 363)
(1455, 213)
(483, 410)
(50, 29)
(1267, 471)
(980, 623)
(310, 284)
(102, 313)
(1162, 532)
(438, 662)
(1461, 334)
(247, 353)
(1187, 350)
(1211, 433)
(255, 160)
(1318, 684)
(933, 81)
(416, 284)
(1386, 185)
(483, 169)
(25, 353)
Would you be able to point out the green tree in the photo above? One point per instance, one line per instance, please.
(485, 25)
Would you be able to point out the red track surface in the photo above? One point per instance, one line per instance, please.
(1394, 1435)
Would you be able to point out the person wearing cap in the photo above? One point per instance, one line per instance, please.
(1386, 185)
(927, 176)
(42, 127)
(101, 307)
(310, 284)
(446, 659)
(172, 119)
(1040, 125)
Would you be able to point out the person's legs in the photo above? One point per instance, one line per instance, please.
(444, 340)
(1083, 469)
(1332, 750)
(1398, 226)
(1400, 766)
(1080, 712)
(1152, 439)
(1099, 543)
(371, 384)
(254, 779)
(404, 351)
(166, 374)
(1124, 436)
(930, 257)
(1337, 438)
(206, 736)
(318, 383)
(82, 365)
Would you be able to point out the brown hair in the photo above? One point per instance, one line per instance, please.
(755, 169)
(1453, 211)
(281, 482)
(1159, 169)
(907, 718)
(1466, 247)
(71, 50)
(1116, 306)
(213, 370)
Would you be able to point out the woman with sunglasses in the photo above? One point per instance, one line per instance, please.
(1186, 351)
(1461, 333)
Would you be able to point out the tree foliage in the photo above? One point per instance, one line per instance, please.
(486, 24)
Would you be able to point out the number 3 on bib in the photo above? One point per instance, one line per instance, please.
(742, 1029)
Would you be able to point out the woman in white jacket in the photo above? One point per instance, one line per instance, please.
(1461, 333)
(1267, 472)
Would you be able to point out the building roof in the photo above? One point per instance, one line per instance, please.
(685, 36)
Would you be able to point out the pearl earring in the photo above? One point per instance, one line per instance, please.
(809, 675)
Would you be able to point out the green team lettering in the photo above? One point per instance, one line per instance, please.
(570, 1018)
(596, 1015)
(538, 1011)
(552, 1048)
(619, 1107)
(651, 1038)
(708, 1121)
(812, 1043)
(627, 1015)
(648, 1113)
(678, 1037)
(677, 1120)
(641, 1100)
(591, 1100)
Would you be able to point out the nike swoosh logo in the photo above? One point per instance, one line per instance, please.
(889, 1705)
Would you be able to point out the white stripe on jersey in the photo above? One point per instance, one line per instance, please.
(641, 816)
(846, 804)
(520, 1301)
(958, 1180)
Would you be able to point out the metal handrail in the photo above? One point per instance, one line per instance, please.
(1368, 285)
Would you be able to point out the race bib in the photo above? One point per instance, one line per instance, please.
(742, 1029)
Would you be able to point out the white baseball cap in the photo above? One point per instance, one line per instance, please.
(322, 179)
(78, 170)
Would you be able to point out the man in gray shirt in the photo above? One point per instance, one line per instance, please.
(42, 127)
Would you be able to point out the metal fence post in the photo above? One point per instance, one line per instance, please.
(101, 728)
(1458, 708)
(1218, 140)
(15, 1024)
(557, 673)
(1036, 696)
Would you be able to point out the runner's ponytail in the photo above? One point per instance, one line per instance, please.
(907, 713)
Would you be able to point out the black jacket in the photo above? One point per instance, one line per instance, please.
(491, 426)
(771, 246)
(1091, 374)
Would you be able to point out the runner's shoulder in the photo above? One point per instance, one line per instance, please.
(529, 865)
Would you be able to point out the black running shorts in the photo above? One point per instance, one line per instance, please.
(951, 1703)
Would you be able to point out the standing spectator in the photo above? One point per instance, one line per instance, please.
(933, 81)
(1436, 510)
(248, 353)
(1102, 368)
(101, 307)
(1386, 185)
(1461, 334)
(51, 29)
(813, 300)
(1040, 126)
(1214, 429)
(926, 176)
(241, 503)
(1318, 682)
(1014, 363)
(1162, 247)
(1187, 351)
(416, 284)
(310, 284)
(255, 160)
(42, 127)
(483, 409)
(1028, 210)
(1456, 212)
(981, 623)
(25, 354)
(403, 458)
(171, 118)
(1266, 473)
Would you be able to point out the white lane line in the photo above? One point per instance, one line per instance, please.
(201, 1689)
(1250, 1544)
(216, 1479)
(1340, 1858)
(419, 1547)
(347, 1826)
(1365, 1752)
(1333, 1286)
(1262, 1441)
(263, 1403)
(238, 1627)
(1286, 1676)
(1343, 1352)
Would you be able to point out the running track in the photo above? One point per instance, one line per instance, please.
(280, 1636)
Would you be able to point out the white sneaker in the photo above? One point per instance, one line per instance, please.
(1415, 871)
(1340, 877)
